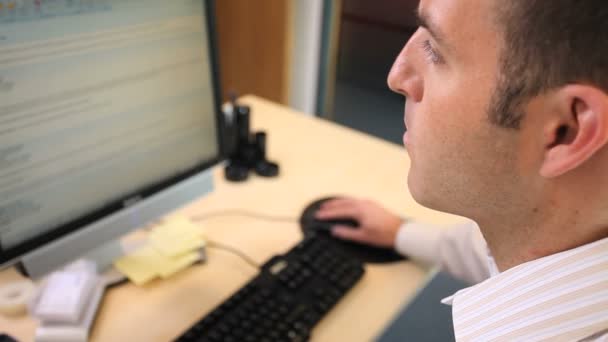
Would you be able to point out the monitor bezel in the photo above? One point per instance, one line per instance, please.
(9, 256)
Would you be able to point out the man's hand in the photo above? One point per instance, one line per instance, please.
(377, 226)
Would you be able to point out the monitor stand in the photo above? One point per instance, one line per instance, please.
(103, 256)
(99, 241)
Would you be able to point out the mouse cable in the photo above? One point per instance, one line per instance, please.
(245, 257)
(238, 212)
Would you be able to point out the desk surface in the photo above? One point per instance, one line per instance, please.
(317, 159)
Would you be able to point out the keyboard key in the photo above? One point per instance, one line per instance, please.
(215, 336)
(239, 333)
(224, 328)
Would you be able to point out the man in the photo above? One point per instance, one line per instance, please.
(507, 124)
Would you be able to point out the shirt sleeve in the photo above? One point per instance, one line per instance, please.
(460, 250)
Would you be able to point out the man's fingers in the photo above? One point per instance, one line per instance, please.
(348, 233)
(338, 212)
(339, 203)
(339, 208)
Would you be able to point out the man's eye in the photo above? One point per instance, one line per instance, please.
(432, 55)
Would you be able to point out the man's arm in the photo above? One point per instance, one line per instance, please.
(460, 250)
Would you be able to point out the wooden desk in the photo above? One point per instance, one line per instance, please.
(317, 159)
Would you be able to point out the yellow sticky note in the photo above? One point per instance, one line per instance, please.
(174, 247)
(141, 266)
(171, 247)
(176, 237)
(148, 263)
(178, 226)
(173, 265)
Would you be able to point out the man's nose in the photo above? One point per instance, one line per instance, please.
(404, 78)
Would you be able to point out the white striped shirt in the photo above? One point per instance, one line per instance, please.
(561, 297)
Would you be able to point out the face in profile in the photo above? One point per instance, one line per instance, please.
(460, 161)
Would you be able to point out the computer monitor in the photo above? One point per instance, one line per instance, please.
(109, 118)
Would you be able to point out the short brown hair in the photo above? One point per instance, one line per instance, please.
(548, 44)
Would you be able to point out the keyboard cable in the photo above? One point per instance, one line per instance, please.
(235, 251)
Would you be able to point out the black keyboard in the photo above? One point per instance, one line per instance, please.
(286, 299)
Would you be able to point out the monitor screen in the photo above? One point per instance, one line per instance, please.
(102, 103)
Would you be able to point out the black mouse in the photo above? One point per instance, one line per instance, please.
(308, 220)
(309, 224)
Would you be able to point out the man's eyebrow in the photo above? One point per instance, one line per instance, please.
(424, 20)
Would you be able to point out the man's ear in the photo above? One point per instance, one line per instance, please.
(577, 130)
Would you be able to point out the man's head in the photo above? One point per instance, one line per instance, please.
(547, 45)
(507, 104)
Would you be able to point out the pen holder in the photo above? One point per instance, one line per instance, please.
(249, 150)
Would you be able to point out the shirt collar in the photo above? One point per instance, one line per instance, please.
(493, 268)
(518, 286)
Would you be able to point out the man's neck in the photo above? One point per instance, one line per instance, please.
(515, 243)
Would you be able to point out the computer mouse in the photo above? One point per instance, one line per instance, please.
(366, 253)
(6, 338)
(308, 221)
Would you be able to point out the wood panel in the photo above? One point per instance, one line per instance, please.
(253, 39)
